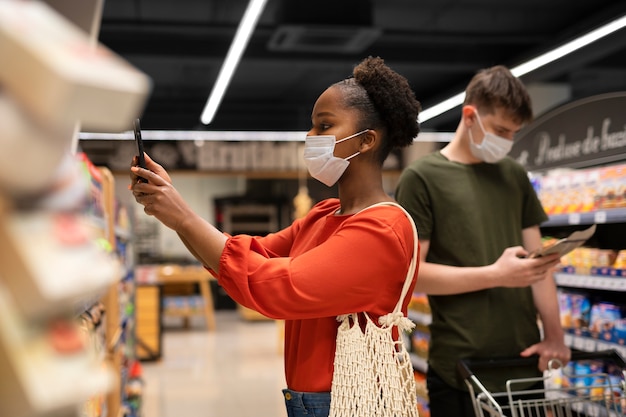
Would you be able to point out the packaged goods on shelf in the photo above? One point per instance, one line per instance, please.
(591, 261)
(419, 303)
(582, 191)
(183, 305)
(562, 194)
(620, 260)
(420, 338)
(595, 319)
(546, 186)
(602, 320)
(52, 259)
(19, 136)
(575, 310)
(422, 395)
(612, 192)
(66, 71)
(50, 364)
(619, 331)
(598, 380)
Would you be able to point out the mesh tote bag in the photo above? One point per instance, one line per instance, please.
(373, 374)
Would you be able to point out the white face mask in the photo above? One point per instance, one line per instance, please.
(493, 147)
(320, 160)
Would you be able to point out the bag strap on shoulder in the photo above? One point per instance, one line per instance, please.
(414, 260)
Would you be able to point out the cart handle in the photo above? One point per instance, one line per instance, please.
(463, 365)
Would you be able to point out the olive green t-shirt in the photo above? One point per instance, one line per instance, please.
(470, 213)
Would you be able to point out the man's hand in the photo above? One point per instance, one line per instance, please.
(548, 350)
(514, 269)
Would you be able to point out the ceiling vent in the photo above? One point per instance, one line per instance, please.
(331, 39)
(309, 27)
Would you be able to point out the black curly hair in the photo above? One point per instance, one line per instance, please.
(385, 101)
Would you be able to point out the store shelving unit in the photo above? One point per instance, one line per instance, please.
(58, 255)
(119, 299)
(603, 284)
(593, 282)
(422, 321)
(417, 346)
(617, 215)
(149, 330)
(41, 376)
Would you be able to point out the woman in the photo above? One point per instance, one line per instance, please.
(332, 261)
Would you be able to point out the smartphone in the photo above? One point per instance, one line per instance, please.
(139, 142)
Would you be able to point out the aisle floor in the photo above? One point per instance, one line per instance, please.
(235, 371)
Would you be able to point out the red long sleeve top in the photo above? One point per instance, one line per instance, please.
(321, 266)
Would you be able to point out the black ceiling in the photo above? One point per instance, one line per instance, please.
(301, 47)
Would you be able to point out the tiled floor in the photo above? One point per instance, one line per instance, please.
(235, 371)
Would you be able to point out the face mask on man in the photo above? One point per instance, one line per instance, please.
(493, 147)
(320, 160)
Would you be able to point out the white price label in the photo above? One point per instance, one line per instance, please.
(588, 281)
(590, 345)
(578, 343)
(568, 339)
(605, 283)
(574, 218)
(592, 410)
(600, 217)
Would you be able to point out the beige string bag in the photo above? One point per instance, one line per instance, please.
(373, 373)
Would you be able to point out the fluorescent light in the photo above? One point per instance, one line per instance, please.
(533, 64)
(442, 107)
(246, 26)
(233, 136)
(201, 135)
(569, 47)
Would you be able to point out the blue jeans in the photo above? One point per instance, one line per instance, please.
(307, 404)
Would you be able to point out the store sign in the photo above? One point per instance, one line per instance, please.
(586, 132)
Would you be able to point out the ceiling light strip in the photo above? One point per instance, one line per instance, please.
(244, 31)
(569, 47)
(233, 136)
(533, 64)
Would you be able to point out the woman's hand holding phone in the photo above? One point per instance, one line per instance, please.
(141, 160)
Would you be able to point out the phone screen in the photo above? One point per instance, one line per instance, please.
(139, 142)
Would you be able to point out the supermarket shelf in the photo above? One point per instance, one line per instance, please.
(591, 281)
(582, 407)
(42, 381)
(45, 273)
(588, 344)
(599, 217)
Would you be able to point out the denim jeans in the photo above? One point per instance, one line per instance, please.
(307, 404)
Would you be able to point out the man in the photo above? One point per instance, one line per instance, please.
(478, 218)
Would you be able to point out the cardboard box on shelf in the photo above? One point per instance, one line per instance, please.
(54, 65)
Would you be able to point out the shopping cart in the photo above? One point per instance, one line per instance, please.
(581, 388)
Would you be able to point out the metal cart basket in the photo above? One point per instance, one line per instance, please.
(596, 392)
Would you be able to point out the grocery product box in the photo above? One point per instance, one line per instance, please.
(56, 73)
(612, 190)
(602, 320)
(575, 311)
